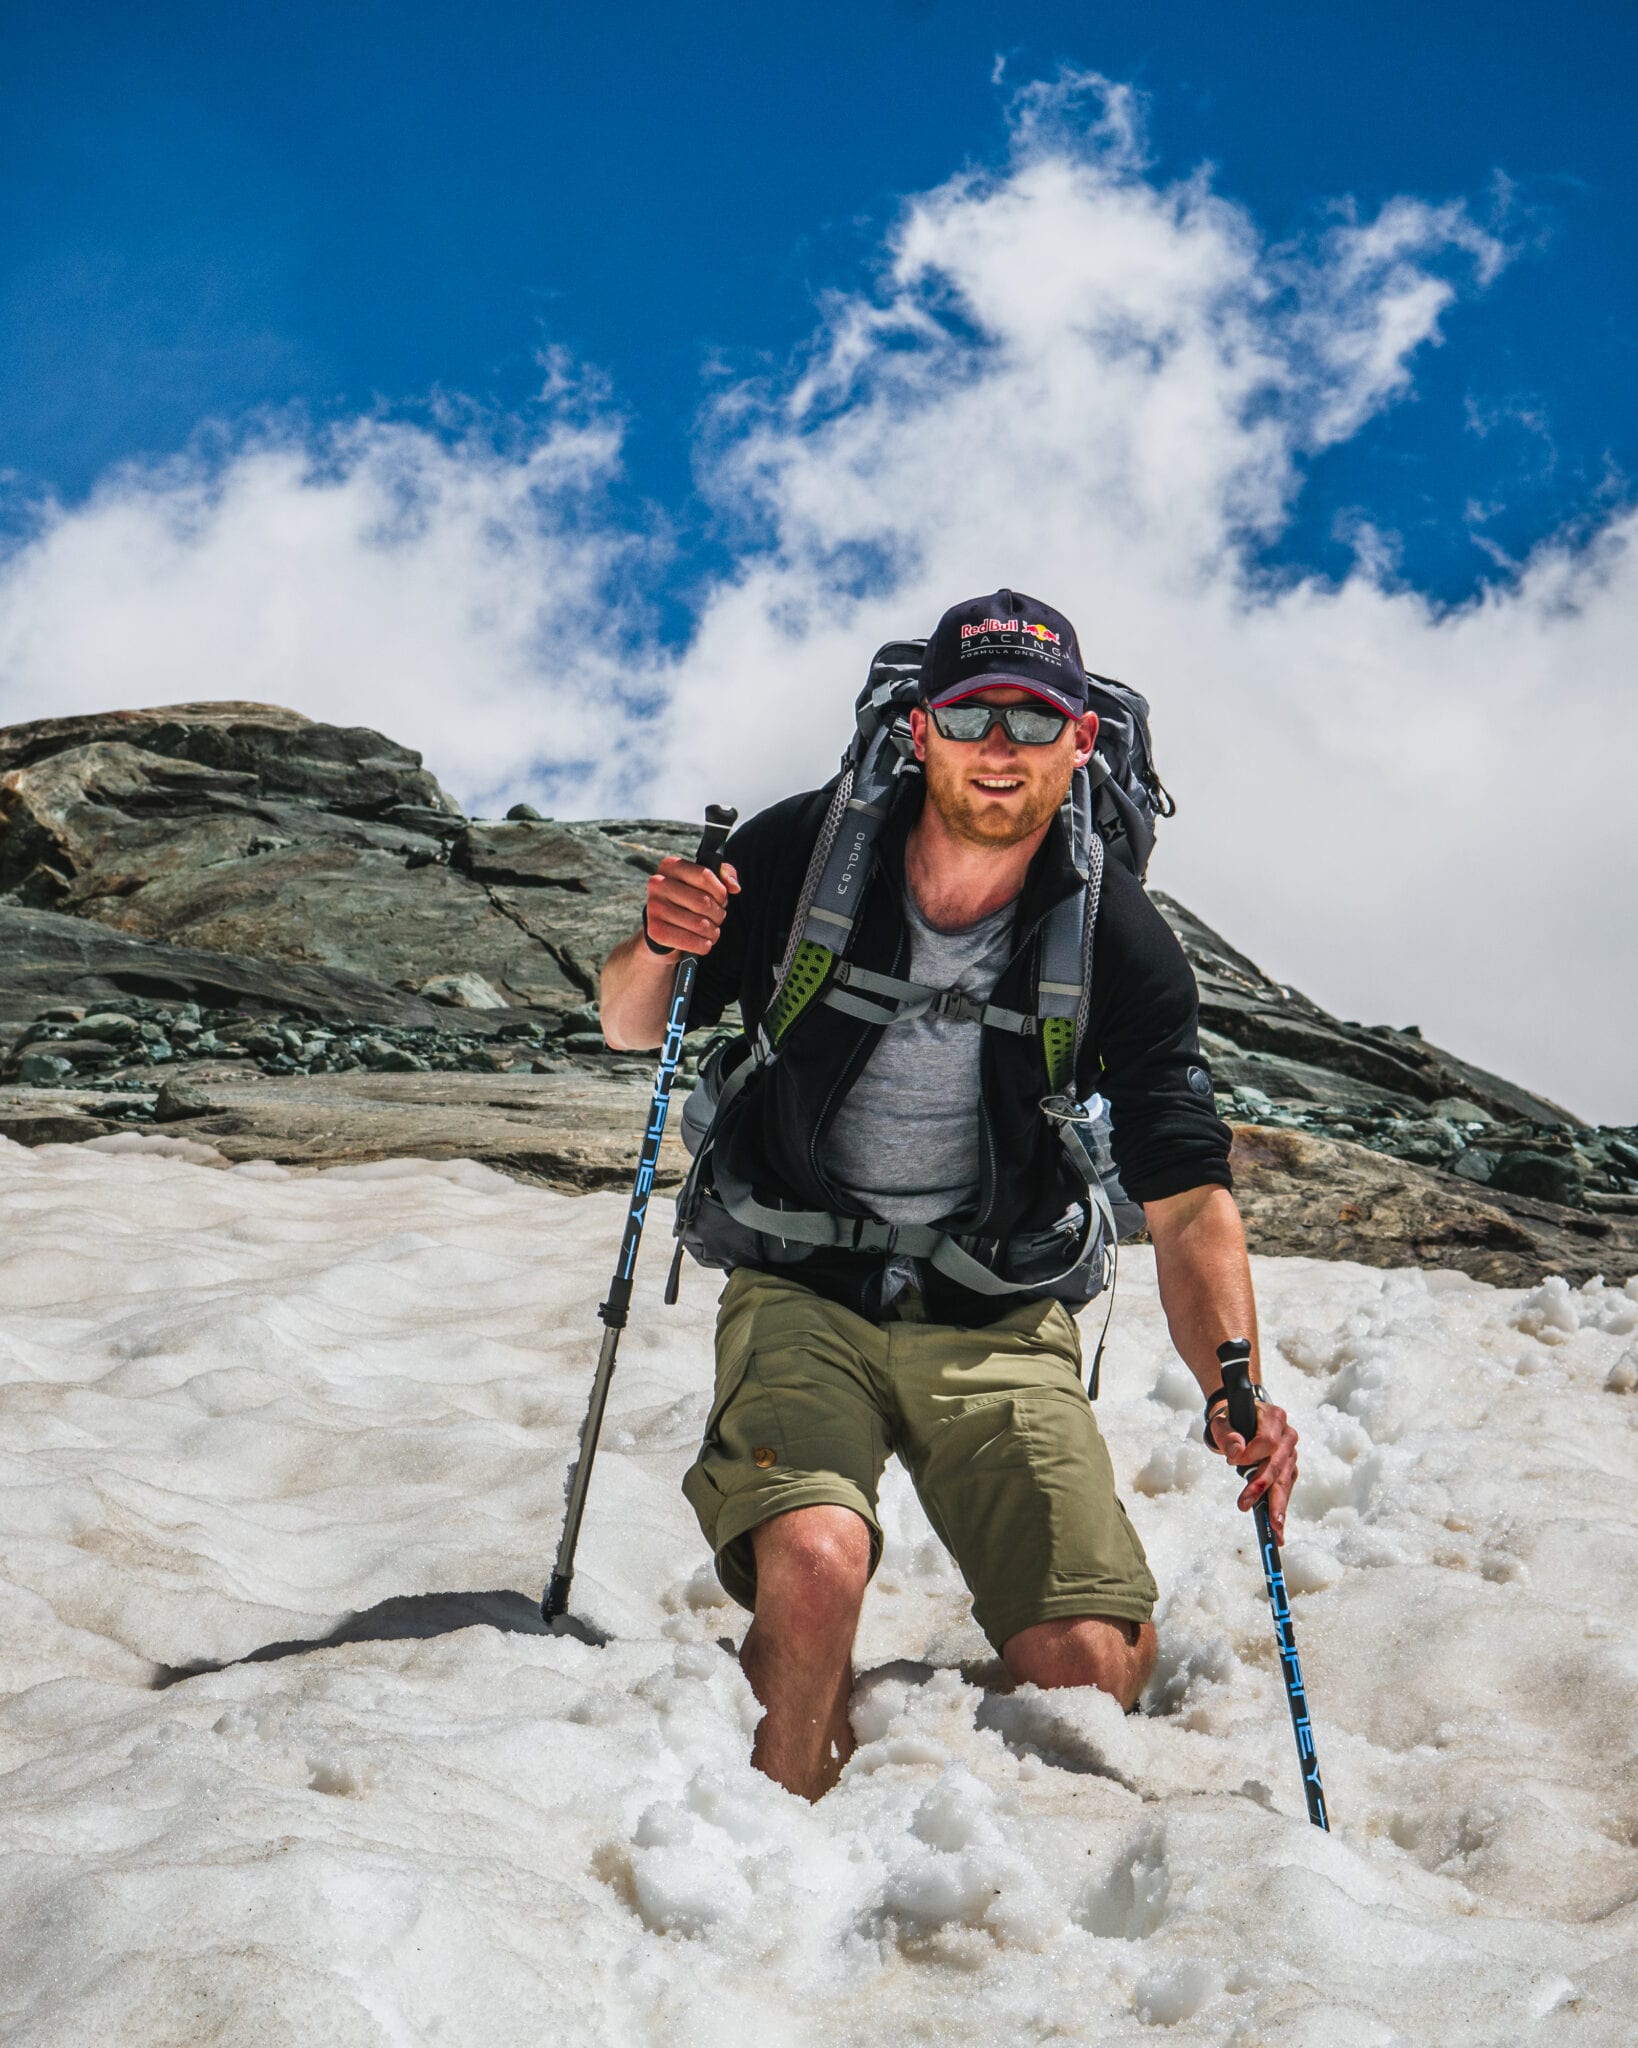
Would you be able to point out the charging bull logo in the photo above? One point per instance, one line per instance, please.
(1042, 633)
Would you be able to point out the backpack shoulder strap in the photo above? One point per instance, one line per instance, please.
(877, 755)
(1063, 992)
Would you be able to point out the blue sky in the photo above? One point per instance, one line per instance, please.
(579, 396)
(213, 207)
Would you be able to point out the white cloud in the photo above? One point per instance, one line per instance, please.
(431, 584)
(1070, 377)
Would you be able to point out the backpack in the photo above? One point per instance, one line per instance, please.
(1111, 810)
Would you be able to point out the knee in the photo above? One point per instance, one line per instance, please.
(812, 1567)
(1115, 1656)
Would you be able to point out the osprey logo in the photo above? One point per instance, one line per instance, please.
(854, 856)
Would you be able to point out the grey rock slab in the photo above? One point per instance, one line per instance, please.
(346, 768)
(42, 1069)
(112, 1025)
(57, 1116)
(463, 992)
(567, 1129)
(47, 959)
(1541, 1174)
(249, 838)
(1459, 1112)
(540, 852)
(377, 917)
(582, 892)
(577, 856)
(1325, 1198)
(1295, 1081)
(354, 910)
(75, 1052)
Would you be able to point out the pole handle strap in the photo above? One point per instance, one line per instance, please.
(1219, 1399)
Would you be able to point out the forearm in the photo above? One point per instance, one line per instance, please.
(1204, 1278)
(634, 994)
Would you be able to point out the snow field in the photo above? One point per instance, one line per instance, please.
(243, 1411)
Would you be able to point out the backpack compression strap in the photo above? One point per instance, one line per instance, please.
(907, 1000)
(947, 1254)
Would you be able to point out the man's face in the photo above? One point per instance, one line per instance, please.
(993, 792)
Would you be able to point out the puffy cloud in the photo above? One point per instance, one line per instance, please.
(1067, 376)
(422, 579)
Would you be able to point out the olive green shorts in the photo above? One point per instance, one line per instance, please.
(993, 1425)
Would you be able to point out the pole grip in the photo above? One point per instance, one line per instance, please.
(1235, 1359)
(720, 820)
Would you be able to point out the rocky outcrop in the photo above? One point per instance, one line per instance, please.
(566, 1128)
(1324, 1198)
(1281, 1060)
(283, 938)
(1267, 1042)
(279, 754)
(246, 830)
(49, 961)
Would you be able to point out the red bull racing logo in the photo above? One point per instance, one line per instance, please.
(1008, 626)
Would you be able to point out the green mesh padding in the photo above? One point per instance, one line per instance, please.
(801, 985)
(1058, 1043)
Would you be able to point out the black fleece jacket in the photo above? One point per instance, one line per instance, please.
(1141, 1049)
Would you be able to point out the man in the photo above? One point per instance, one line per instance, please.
(828, 1361)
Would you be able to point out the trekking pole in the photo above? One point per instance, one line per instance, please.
(1235, 1359)
(719, 822)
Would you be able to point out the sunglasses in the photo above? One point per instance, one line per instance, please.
(1026, 725)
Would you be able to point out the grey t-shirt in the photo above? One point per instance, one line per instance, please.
(904, 1142)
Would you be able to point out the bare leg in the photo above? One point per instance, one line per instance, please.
(1115, 1656)
(812, 1566)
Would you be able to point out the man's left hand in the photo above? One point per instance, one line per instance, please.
(1273, 1450)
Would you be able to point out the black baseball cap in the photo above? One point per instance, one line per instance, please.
(1004, 638)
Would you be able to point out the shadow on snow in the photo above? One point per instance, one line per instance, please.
(406, 1617)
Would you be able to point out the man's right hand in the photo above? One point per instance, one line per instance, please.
(686, 904)
(683, 912)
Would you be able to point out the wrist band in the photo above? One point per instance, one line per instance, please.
(1218, 1398)
(654, 945)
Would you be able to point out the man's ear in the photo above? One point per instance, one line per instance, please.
(1086, 737)
(918, 731)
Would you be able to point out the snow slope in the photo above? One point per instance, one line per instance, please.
(238, 1407)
